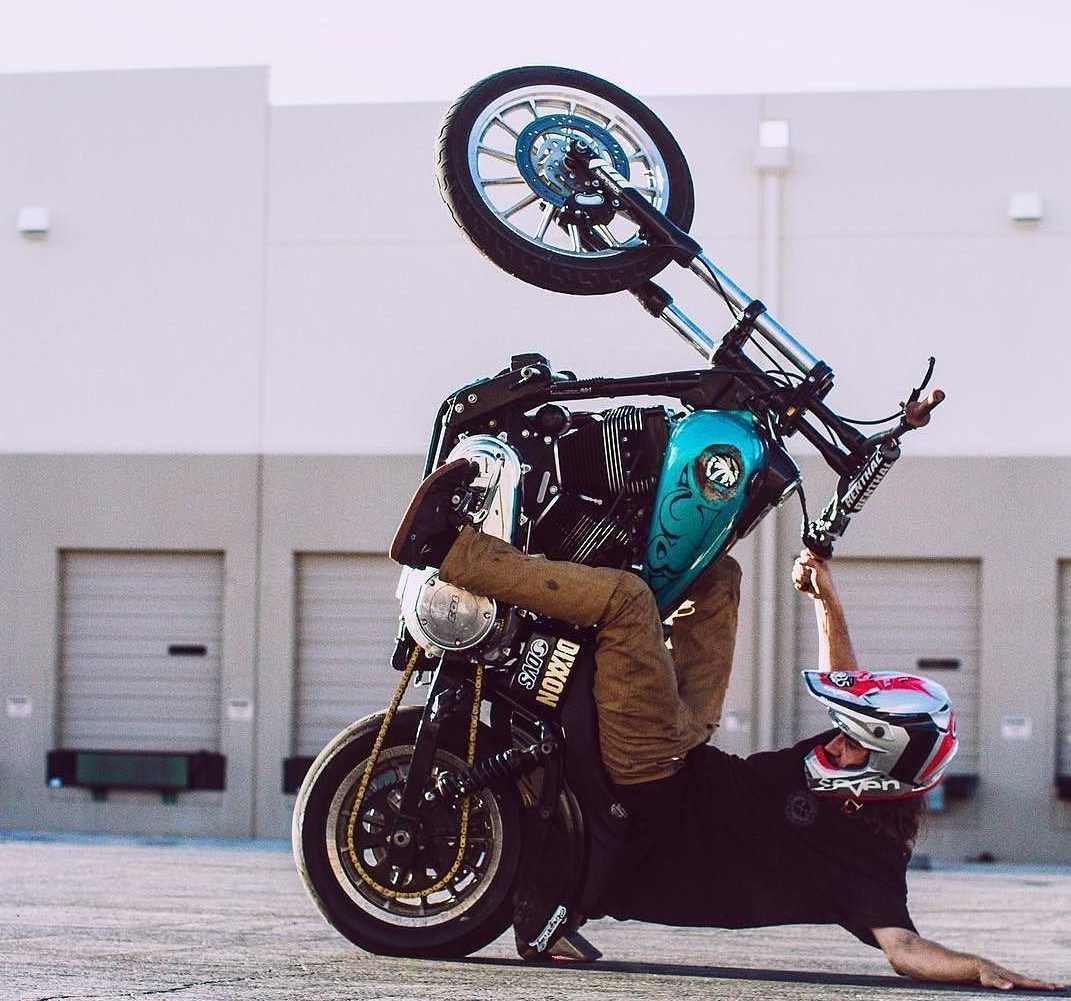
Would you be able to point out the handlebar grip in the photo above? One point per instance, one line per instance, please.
(917, 412)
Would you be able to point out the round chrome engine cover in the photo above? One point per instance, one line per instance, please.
(442, 617)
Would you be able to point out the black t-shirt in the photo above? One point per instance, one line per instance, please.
(730, 842)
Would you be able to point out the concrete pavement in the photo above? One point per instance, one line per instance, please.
(95, 917)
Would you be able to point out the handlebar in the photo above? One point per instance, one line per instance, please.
(862, 462)
(855, 490)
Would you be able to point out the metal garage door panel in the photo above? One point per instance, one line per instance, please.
(1063, 718)
(125, 683)
(901, 611)
(346, 627)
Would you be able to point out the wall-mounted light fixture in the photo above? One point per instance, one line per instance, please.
(1024, 206)
(773, 151)
(33, 221)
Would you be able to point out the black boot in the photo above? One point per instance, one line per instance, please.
(435, 516)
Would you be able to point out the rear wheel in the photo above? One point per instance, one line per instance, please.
(503, 173)
(453, 898)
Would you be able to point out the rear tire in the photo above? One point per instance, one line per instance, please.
(476, 905)
(479, 185)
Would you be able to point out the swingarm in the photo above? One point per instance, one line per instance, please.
(454, 695)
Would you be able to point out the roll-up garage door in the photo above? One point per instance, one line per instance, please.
(346, 627)
(1063, 720)
(916, 616)
(140, 651)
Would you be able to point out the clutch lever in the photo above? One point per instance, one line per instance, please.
(916, 411)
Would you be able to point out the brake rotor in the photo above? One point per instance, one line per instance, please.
(542, 149)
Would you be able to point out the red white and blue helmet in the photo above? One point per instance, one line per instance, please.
(904, 721)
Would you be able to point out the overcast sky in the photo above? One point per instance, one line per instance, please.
(332, 51)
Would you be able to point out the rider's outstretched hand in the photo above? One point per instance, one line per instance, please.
(911, 955)
(992, 975)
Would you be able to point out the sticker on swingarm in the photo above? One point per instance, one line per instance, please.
(542, 676)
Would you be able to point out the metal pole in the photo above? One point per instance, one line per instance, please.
(767, 560)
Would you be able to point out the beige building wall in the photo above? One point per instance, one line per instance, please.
(265, 511)
(126, 503)
(1009, 514)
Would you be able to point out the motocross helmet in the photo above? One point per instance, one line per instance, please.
(905, 722)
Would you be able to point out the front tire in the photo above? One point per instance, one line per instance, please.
(502, 176)
(470, 911)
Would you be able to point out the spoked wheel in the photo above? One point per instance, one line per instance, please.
(505, 175)
(452, 898)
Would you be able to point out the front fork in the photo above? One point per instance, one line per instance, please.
(866, 461)
(660, 231)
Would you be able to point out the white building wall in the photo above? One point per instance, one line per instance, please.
(373, 292)
(135, 324)
(221, 276)
(898, 245)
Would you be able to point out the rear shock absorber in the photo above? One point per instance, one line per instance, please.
(512, 763)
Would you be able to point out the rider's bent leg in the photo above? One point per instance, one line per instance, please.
(645, 730)
(704, 636)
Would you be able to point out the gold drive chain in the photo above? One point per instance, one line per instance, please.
(377, 747)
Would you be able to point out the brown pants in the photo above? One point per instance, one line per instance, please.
(653, 706)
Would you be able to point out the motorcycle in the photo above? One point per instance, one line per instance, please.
(426, 831)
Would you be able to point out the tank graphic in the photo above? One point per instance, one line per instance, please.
(711, 458)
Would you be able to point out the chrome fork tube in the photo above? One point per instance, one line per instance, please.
(765, 324)
(689, 331)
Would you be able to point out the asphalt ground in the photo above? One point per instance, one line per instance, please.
(96, 917)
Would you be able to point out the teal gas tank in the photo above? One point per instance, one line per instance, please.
(710, 460)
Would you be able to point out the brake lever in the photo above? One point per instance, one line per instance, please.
(916, 392)
(917, 413)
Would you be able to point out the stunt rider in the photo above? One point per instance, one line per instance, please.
(817, 833)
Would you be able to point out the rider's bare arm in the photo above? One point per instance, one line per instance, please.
(912, 955)
(811, 576)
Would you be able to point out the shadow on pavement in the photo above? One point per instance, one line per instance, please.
(885, 982)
